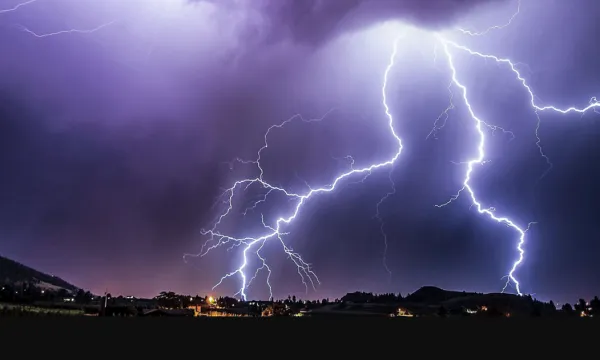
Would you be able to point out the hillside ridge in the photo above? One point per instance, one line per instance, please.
(12, 272)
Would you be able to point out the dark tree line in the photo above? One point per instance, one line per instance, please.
(583, 308)
(364, 297)
(26, 293)
(292, 300)
(171, 300)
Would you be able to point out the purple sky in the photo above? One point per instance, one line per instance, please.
(116, 143)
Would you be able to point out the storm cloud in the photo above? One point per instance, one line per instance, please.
(314, 22)
(114, 145)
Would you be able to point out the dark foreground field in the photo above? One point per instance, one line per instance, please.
(340, 337)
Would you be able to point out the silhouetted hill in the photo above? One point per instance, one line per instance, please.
(493, 300)
(12, 272)
(430, 297)
(435, 295)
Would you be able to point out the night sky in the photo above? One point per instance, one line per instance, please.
(115, 144)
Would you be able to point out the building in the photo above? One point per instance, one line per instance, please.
(404, 312)
(196, 308)
(223, 312)
(276, 309)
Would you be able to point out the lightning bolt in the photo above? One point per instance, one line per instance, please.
(440, 122)
(479, 161)
(495, 27)
(69, 31)
(382, 224)
(593, 104)
(275, 231)
(16, 7)
(44, 35)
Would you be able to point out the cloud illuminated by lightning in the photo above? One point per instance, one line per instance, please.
(480, 126)
(275, 231)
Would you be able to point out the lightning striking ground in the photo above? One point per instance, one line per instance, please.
(480, 126)
(480, 159)
(275, 231)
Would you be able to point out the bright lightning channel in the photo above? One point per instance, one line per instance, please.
(275, 231)
(593, 104)
(478, 161)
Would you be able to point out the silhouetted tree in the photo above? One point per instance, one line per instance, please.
(62, 293)
(536, 310)
(595, 305)
(79, 295)
(567, 308)
(170, 300)
(580, 307)
(493, 312)
(227, 301)
(83, 297)
(359, 297)
(442, 311)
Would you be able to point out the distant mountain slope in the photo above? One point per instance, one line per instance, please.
(435, 295)
(430, 296)
(13, 272)
(499, 301)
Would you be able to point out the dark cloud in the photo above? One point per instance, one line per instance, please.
(315, 21)
(113, 144)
